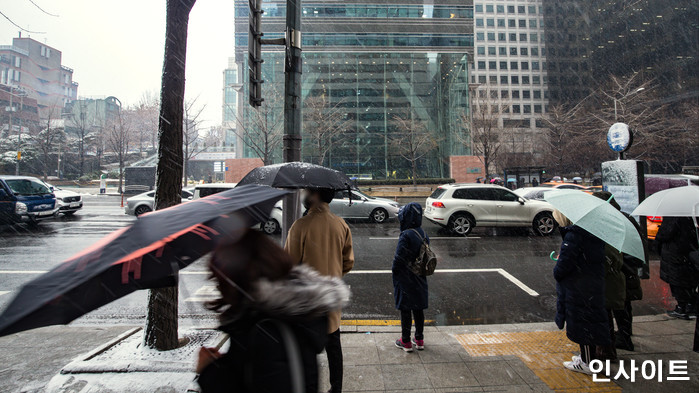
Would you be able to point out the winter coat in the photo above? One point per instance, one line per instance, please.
(257, 360)
(579, 274)
(676, 238)
(631, 266)
(322, 241)
(410, 290)
(614, 279)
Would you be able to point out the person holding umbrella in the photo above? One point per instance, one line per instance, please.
(676, 239)
(410, 290)
(275, 314)
(323, 241)
(579, 274)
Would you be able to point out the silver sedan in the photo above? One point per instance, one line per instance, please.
(143, 203)
(364, 206)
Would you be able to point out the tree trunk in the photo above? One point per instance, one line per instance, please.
(414, 173)
(161, 318)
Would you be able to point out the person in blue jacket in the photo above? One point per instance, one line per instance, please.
(410, 290)
(579, 274)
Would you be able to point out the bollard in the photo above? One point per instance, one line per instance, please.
(122, 199)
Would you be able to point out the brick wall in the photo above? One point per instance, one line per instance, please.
(237, 168)
(466, 169)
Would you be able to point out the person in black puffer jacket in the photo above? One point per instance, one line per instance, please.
(676, 238)
(275, 315)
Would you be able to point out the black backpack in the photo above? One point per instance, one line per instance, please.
(426, 261)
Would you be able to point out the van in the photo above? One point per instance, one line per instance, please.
(206, 189)
(25, 199)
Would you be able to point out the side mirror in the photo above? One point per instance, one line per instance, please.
(51, 188)
(189, 198)
(520, 200)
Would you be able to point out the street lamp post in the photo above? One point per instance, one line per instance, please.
(615, 101)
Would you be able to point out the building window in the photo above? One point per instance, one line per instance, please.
(525, 79)
(535, 65)
(492, 65)
(493, 79)
(512, 23)
(532, 23)
(503, 79)
(490, 22)
(535, 51)
(515, 109)
(489, 8)
(525, 65)
(481, 50)
(503, 65)
(536, 79)
(515, 94)
(514, 65)
(526, 94)
(537, 94)
(521, 9)
(502, 37)
(527, 108)
(481, 78)
(501, 22)
(504, 94)
(491, 36)
(523, 23)
(523, 37)
(524, 51)
(513, 37)
(18, 62)
(532, 9)
(479, 22)
(510, 9)
(534, 37)
(481, 65)
(491, 50)
(502, 51)
(543, 50)
(537, 108)
(500, 9)
(480, 36)
(479, 8)
(515, 79)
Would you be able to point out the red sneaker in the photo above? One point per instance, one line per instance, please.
(406, 346)
(419, 344)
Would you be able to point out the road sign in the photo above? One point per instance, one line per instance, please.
(619, 137)
(218, 166)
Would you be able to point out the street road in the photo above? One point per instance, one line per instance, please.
(489, 277)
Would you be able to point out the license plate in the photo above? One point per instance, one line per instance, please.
(46, 213)
(75, 204)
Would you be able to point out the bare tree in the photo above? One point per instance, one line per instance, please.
(80, 123)
(487, 135)
(161, 318)
(324, 122)
(50, 136)
(261, 128)
(145, 121)
(565, 130)
(412, 140)
(118, 136)
(191, 132)
(215, 136)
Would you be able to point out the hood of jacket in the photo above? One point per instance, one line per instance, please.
(304, 293)
(410, 216)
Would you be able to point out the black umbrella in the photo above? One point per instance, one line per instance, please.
(297, 175)
(147, 254)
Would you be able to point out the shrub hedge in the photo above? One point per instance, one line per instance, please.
(402, 182)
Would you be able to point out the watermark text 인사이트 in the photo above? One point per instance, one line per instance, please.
(674, 370)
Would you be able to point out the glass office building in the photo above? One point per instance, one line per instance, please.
(374, 63)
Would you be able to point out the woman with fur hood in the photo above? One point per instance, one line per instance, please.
(275, 315)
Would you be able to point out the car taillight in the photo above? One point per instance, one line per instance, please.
(438, 204)
(656, 219)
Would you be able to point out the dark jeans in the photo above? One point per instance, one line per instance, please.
(624, 320)
(406, 322)
(683, 295)
(334, 351)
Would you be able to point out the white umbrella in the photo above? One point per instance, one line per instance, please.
(673, 202)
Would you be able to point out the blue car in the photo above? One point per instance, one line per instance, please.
(25, 199)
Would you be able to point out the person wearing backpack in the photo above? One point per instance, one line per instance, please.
(410, 289)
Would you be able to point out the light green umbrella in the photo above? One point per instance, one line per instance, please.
(598, 217)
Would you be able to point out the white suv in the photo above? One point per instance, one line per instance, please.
(460, 207)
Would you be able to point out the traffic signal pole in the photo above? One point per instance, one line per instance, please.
(292, 106)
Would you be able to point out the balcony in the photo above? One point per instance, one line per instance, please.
(14, 49)
(68, 69)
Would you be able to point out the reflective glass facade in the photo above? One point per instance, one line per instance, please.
(374, 73)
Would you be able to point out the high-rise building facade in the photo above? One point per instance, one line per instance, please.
(382, 65)
(231, 88)
(509, 72)
(589, 41)
(36, 68)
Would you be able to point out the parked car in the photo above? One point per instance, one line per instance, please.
(563, 186)
(143, 203)
(206, 189)
(25, 199)
(533, 193)
(462, 207)
(68, 202)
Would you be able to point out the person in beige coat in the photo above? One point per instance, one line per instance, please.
(323, 241)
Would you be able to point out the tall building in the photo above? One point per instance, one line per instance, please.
(588, 41)
(509, 71)
(36, 68)
(231, 88)
(387, 66)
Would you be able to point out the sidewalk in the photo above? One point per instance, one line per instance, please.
(476, 358)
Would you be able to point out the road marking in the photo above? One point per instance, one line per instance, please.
(500, 271)
(204, 293)
(375, 322)
(431, 238)
(4, 292)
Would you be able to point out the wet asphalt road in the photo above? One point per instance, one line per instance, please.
(492, 276)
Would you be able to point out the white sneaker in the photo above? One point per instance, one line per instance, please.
(577, 365)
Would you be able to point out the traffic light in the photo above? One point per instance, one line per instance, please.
(255, 52)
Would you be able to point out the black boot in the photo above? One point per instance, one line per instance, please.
(691, 310)
(680, 312)
(623, 342)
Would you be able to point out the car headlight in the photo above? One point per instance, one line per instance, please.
(397, 206)
(20, 208)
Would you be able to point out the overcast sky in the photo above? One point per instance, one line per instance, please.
(116, 47)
